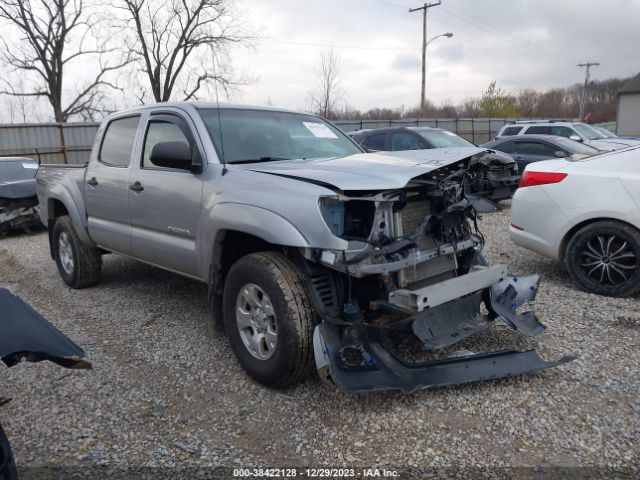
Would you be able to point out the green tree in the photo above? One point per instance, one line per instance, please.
(496, 103)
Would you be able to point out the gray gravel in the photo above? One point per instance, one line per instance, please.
(164, 394)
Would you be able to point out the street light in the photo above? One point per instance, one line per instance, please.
(448, 35)
(423, 98)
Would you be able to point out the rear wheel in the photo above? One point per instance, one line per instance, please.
(604, 258)
(269, 319)
(79, 265)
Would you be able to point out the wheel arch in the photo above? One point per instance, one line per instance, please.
(57, 206)
(572, 231)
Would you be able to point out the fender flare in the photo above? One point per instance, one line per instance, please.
(249, 219)
(61, 194)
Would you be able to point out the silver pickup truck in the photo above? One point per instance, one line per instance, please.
(315, 252)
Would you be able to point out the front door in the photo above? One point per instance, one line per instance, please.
(165, 204)
(106, 188)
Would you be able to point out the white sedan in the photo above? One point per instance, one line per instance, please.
(585, 213)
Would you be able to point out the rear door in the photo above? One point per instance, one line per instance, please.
(106, 191)
(165, 203)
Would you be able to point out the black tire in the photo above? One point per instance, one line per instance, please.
(87, 261)
(276, 275)
(603, 266)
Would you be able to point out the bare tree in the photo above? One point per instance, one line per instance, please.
(53, 34)
(181, 45)
(323, 99)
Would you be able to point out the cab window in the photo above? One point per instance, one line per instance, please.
(118, 140)
(165, 128)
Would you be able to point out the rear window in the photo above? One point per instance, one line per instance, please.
(11, 171)
(117, 142)
(509, 131)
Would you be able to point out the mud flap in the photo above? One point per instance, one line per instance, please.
(512, 293)
(380, 370)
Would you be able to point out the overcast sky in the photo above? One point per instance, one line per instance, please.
(519, 43)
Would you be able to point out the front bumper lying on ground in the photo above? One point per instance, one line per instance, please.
(361, 356)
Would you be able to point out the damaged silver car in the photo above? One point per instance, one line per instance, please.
(18, 200)
(316, 253)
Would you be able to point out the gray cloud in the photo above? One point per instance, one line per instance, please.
(535, 43)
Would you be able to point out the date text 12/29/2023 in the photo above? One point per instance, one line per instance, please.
(315, 473)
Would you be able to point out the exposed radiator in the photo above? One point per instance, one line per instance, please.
(407, 220)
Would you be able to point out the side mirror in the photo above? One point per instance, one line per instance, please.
(576, 138)
(172, 155)
(560, 154)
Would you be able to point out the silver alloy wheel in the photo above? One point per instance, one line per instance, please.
(256, 321)
(608, 259)
(65, 252)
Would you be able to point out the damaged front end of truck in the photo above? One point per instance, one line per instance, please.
(414, 267)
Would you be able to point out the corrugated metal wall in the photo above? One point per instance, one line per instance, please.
(49, 142)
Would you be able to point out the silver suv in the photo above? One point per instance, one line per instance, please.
(580, 132)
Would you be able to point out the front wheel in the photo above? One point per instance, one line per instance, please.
(269, 319)
(79, 265)
(604, 258)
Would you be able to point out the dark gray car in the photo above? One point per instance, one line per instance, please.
(18, 200)
(526, 149)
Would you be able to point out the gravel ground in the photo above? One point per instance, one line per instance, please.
(164, 394)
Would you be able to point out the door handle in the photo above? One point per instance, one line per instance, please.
(136, 187)
(93, 182)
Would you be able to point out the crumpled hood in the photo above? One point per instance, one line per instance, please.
(19, 189)
(366, 171)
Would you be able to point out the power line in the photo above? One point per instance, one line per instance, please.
(483, 25)
(330, 45)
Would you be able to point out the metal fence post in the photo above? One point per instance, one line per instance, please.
(62, 144)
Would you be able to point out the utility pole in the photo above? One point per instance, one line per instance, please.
(424, 9)
(587, 76)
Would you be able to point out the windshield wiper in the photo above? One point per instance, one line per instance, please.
(261, 159)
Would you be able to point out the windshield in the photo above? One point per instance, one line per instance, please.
(606, 132)
(575, 147)
(587, 132)
(14, 171)
(262, 135)
(444, 139)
